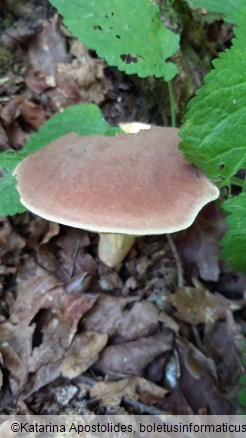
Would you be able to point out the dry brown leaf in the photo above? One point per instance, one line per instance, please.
(66, 92)
(132, 358)
(15, 348)
(225, 343)
(78, 284)
(88, 74)
(206, 394)
(44, 375)
(11, 84)
(17, 136)
(71, 242)
(30, 113)
(122, 317)
(168, 322)
(53, 230)
(10, 241)
(45, 51)
(176, 403)
(72, 255)
(37, 81)
(109, 280)
(36, 289)
(83, 353)
(135, 388)
(59, 329)
(199, 245)
(22, 30)
(196, 305)
(3, 139)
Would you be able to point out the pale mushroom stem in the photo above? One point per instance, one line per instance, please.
(113, 248)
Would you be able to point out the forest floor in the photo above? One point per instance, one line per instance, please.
(161, 333)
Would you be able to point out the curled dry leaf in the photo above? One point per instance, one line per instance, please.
(135, 388)
(196, 305)
(83, 353)
(131, 358)
(123, 317)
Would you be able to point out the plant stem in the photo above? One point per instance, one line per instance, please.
(237, 181)
(231, 181)
(172, 103)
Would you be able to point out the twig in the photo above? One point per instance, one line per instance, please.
(172, 103)
(140, 407)
(172, 245)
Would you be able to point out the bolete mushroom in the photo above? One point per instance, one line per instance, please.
(121, 187)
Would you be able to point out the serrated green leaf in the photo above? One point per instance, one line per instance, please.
(129, 34)
(234, 241)
(214, 131)
(85, 119)
(229, 8)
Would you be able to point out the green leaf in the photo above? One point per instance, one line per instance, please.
(85, 119)
(9, 199)
(229, 8)
(234, 241)
(129, 34)
(241, 397)
(214, 131)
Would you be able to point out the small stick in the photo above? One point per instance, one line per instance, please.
(139, 406)
(142, 408)
(172, 245)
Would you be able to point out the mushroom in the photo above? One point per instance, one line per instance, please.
(121, 187)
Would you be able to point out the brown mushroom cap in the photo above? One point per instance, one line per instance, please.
(135, 184)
